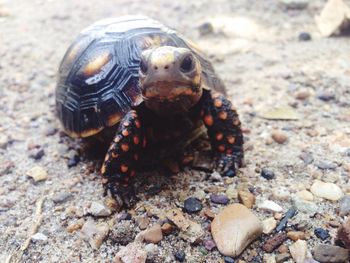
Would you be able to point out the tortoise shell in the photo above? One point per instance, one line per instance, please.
(98, 76)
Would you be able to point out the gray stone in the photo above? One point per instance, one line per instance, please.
(295, 4)
(344, 205)
(330, 254)
(61, 197)
(305, 206)
(326, 165)
(39, 237)
(98, 209)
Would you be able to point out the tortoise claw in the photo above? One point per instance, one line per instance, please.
(226, 165)
(124, 195)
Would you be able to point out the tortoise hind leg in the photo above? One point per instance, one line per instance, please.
(119, 165)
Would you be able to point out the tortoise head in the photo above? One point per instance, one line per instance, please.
(170, 79)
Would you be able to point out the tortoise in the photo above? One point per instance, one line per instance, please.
(153, 87)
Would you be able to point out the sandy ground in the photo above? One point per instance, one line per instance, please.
(256, 51)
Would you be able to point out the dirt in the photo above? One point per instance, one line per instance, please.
(256, 51)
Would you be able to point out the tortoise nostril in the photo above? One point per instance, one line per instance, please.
(166, 67)
(155, 67)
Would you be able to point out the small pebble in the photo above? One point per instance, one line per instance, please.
(216, 177)
(344, 205)
(325, 253)
(267, 174)
(279, 137)
(61, 197)
(299, 251)
(321, 233)
(325, 95)
(305, 195)
(296, 235)
(219, 199)
(73, 161)
(209, 244)
(304, 36)
(95, 234)
(143, 222)
(133, 253)
(343, 234)
(302, 95)
(270, 206)
(209, 214)
(290, 213)
(98, 209)
(282, 257)
(193, 234)
(306, 157)
(328, 191)
(325, 165)
(38, 173)
(246, 198)
(123, 216)
(180, 256)
(167, 228)
(272, 243)
(229, 260)
(36, 153)
(39, 237)
(192, 205)
(269, 225)
(153, 234)
(206, 29)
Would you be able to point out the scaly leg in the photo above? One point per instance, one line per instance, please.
(118, 168)
(224, 130)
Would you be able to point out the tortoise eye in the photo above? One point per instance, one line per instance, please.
(187, 63)
(143, 67)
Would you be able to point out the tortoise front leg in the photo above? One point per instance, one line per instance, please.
(118, 168)
(224, 130)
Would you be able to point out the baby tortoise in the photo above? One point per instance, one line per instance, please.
(135, 74)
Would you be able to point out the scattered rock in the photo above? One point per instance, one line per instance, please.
(325, 95)
(343, 234)
(38, 173)
(73, 161)
(98, 209)
(344, 205)
(192, 205)
(61, 197)
(321, 233)
(279, 137)
(152, 251)
(282, 113)
(209, 214)
(36, 153)
(334, 16)
(39, 237)
(270, 206)
(305, 206)
(95, 234)
(219, 199)
(306, 157)
(180, 256)
(328, 191)
(326, 165)
(167, 228)
(272, 243)
(267, 174)
(282, 257)
(229, 260)
(325, 253)
(246, 198)
(234, 228)
(231, 192)
(75, 226)
(209, 244)
(124, 233)
(269, 225)
(143, 222)
(299, 251)
(153, 234)
(177, 217)
(206, 29)
(305, 195)
(216, 177)
(4, 141)
(304, 36)
(193, 233)
(296, 235)
(123, 216)
(269, 258)
(295, 4)
(132, 253)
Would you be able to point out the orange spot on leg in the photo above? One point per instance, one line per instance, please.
(219, 136)
(208, 120)
(114, 155)
(236, 122)
(132, 173)
(125, 147)
(125, 132)
(231, 139)
(221, 148)
(137, 124)
(217, 103)
(223, 115)
(117, 139)
(136, 140)
(124, 168)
